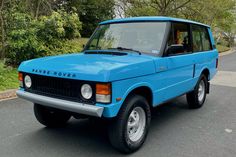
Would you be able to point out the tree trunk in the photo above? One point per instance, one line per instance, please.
(37, 9)
(3, 35)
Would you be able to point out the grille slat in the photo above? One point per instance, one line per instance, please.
(67, 89)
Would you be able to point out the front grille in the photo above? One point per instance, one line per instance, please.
(66, 89)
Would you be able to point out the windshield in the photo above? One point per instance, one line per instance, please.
(145, 37)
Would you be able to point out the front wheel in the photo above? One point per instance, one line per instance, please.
(197, 97)
(51, 117)
(128, 131)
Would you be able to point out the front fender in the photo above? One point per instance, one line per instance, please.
(121, 89)
(135, 86)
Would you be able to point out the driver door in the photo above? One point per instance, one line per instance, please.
(177, 66)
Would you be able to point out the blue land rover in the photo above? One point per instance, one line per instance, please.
(127, 67)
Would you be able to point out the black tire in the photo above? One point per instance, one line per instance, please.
(193, 97)
(117, 130)
(51, 117)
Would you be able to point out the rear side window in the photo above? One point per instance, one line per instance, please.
(179, 35)
(201, 40)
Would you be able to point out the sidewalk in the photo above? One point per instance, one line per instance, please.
(8, 94)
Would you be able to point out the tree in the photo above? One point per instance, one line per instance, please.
(152, 7)
(90, 12)
(2, 26)
(28, 36)
(219, 14)
(39, 7)
(33, 7)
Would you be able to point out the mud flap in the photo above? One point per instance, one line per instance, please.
(208, 88)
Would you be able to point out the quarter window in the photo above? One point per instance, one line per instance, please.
(201, 40)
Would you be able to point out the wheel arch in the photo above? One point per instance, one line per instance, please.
(206, 72)
(141, 88)
(144, 91)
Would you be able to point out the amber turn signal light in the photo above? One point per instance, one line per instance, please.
(20, 76)
(103, 88)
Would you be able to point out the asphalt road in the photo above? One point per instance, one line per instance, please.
(175, 130)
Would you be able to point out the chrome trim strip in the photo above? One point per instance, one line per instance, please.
(62, 104)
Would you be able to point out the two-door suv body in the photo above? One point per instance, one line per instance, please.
(127, 67)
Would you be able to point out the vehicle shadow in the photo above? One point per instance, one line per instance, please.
(90, 139)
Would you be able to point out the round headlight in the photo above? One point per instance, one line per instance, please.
(86, 91)
(28, 81)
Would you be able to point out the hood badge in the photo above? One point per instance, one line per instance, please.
(54, 73)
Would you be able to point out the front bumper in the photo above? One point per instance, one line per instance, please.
(75, 107)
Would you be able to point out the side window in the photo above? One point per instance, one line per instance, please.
(201, 40)
(180, 36)
(205, 40)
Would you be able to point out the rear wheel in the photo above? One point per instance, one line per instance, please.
(128, 131)
(51, 117)
(197, 97)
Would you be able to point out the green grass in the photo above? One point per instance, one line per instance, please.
(222, 48)
(8, 77)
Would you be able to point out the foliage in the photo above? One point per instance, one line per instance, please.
(71, 46)
(222, 48)
(29, 38)
(8, 75)
(34, 28)
(22, 43)
(219, 14)
(90, 12)
(59, 25)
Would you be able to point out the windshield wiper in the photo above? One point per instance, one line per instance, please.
(105, 53)
(126, 49)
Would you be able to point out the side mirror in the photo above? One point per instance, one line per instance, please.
(174, 49)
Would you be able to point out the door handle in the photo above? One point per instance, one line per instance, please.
(162, 68)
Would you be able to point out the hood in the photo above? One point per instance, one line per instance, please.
(92, 67)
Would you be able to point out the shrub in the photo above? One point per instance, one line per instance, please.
(71, 46)
(22, 42)
(29, 38)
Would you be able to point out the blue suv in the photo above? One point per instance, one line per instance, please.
(127, 67)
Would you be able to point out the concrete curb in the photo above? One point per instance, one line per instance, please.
(8, 94)
(226, 52)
